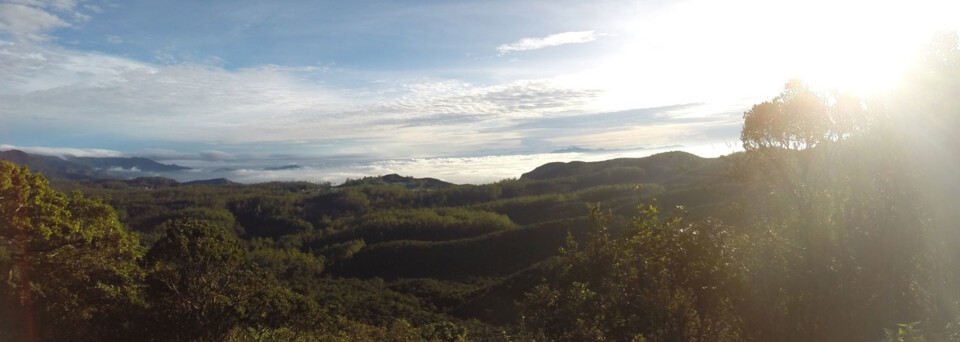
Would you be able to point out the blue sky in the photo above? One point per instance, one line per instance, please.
(425, 79)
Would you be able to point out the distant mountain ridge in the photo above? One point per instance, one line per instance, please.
(285, 167)
(54, 167)
(152, 182)
(577, 149)
(215, 181)
(75, 168)
(658, 168)
(142, 164)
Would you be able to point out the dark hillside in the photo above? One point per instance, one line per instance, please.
(53, 167)
(496, 254)
(142, 164)
(654, 168)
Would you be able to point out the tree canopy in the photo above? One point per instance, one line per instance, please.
(67, 262)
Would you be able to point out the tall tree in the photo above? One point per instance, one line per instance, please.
(841, 245)
(69, 268)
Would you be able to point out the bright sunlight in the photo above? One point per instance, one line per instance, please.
(719, 51)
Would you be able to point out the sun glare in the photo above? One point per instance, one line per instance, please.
(858, 46)
(704, 51)
(863, 47)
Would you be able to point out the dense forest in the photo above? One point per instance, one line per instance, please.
(838, 222)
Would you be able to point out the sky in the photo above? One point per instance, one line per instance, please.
(426, 83)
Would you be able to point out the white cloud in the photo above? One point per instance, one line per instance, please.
(573, 37)
(63, 151)
(33, 20)
(28, 23)
(474, 170)
(461, 170)
(48, 87)
(184, 102)
(455, 102)
(121, 169)
(60, 5)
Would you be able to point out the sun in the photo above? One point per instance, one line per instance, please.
(861, 70)
(863, 47)
(742, 51)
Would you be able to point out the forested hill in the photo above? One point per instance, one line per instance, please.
(398, 180)
(656, 168)
(444, 252)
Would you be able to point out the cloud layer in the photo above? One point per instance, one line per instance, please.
(53, 93)
(44, 87)
(63, 151)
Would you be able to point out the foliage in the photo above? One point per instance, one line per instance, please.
(195, 281)
(198, 281)
(496, 254)
(68, 265)
(420, 224)
(295, 268)
(842, 221)
(662, 279)
(905, 332)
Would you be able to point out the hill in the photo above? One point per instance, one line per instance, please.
(77, 168)
(135, 163)
(654, 168)
(215, 181)
(398, 180)
(54, 167)
(148, 183)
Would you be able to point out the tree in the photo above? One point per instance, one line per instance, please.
(199, 281)
(194, 281)
(842, 245)
(69, 268)
(663, 280)
(925, 119)
(800, 118)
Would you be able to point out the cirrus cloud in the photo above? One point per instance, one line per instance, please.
(33, 20)
(28, 23)
(49, 89)
(572, 37)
